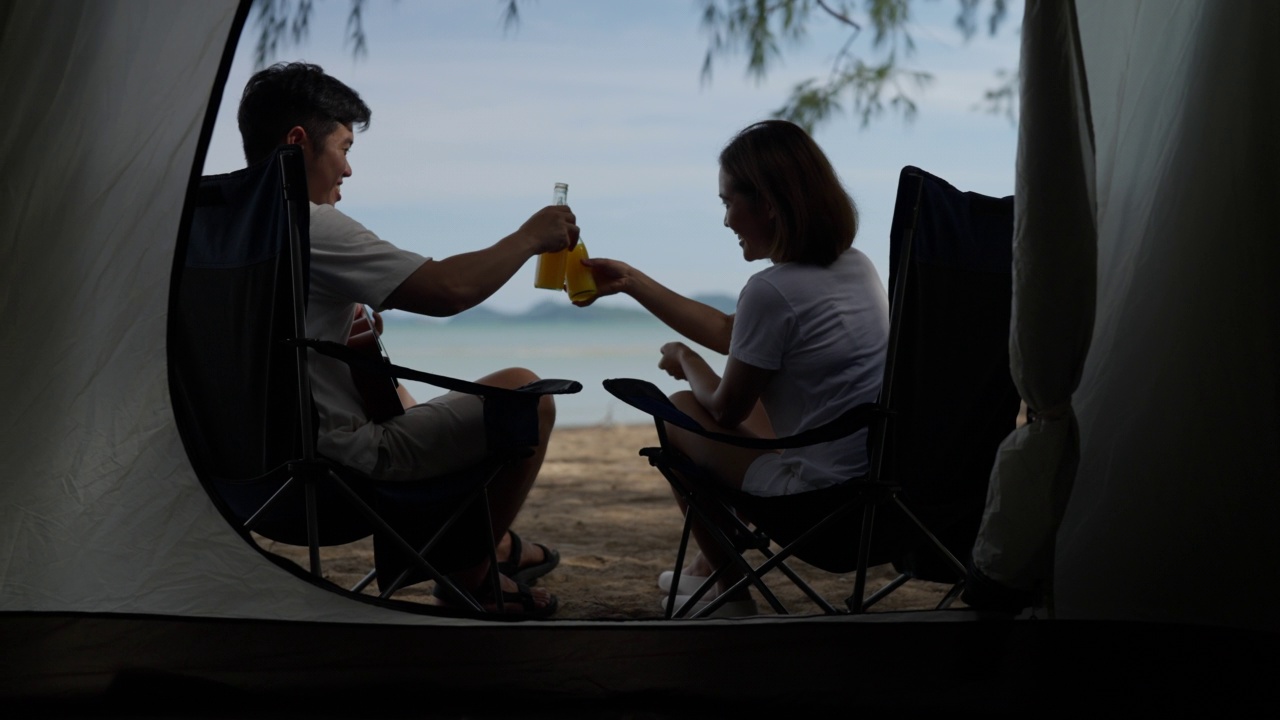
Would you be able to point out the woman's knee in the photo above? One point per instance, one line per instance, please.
(684, 400)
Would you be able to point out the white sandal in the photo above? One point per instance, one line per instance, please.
(688, 583)
(731, 609)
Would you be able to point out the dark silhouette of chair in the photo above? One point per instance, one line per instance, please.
(238, 357)
(946, 403)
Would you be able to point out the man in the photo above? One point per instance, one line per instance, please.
(299, 104)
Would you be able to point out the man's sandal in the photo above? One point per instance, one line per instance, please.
(520, 599)
(527, 575)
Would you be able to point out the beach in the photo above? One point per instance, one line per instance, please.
(616, 526)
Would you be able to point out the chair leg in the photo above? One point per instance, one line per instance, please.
(364, 581)
(855, 601)
(750, 574)
(799, 582)
(494, 575)
(363, 507)
(952, 593)
(721, 539)
(786, 552)
(422, 554)
(673, 591)
(937, 544)
(951, 596)
(495, 581)
(884, 591)
(313, 530)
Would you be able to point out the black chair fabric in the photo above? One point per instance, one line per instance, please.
(954, 399)
(233, 377)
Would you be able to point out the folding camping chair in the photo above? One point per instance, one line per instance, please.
(238, 359)
(946, 402)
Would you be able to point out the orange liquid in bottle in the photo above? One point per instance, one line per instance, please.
(551, 270)
(578, 279)
(550, 273)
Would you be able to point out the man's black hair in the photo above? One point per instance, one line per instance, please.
(288, 95)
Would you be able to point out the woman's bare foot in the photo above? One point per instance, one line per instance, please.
(699, 567)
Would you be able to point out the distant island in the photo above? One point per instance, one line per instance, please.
(560, 310)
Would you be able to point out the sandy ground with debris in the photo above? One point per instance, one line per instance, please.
(616, 525)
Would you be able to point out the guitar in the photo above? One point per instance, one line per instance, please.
(378, 394)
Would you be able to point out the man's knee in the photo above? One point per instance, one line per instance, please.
(512, 378)
(509, 378)
(547, 409)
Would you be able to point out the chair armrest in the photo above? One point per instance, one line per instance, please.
(647, 398)
(367, 363)
(510, 415)
(550, 386)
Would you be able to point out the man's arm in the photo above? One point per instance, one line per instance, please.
(447, 287)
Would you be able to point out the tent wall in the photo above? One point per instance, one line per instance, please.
(1173, 513)
(99, 509)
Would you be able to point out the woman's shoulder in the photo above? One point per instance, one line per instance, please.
(849, 261)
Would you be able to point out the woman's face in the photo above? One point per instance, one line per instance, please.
(751, 220)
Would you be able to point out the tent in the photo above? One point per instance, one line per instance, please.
(120, 580)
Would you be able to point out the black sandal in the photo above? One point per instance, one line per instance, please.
(529, 575)
(521, 597)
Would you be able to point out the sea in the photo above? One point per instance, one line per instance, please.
(588, 352)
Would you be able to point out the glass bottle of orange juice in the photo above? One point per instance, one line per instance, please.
(550, 273)
(578, 280)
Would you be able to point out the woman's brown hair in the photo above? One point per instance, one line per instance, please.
(775, 161)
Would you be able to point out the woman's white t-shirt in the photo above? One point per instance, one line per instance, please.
(824, 331)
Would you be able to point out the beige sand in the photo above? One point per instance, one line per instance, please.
(614, 521)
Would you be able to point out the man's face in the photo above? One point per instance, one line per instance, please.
(327, 166)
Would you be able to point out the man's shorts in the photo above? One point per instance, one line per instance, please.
(441, 436)
(433, 448)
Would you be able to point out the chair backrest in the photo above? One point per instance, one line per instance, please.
(234, 383)
(949, 386)
(238, 294)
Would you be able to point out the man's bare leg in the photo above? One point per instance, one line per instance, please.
(510, 488)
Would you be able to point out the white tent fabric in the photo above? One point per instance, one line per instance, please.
(1054, 254)
(101, 511)
(1173, 512)
(1171, 516)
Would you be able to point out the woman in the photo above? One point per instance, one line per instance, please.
(806, 344)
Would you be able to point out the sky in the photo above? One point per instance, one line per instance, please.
(473, 125)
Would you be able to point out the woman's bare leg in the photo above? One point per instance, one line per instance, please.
(727, 465)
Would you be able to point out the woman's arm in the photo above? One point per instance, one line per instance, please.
(696, 321)
(729, 400)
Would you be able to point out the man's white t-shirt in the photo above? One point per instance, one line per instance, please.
(824, 331)
(349, 265)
